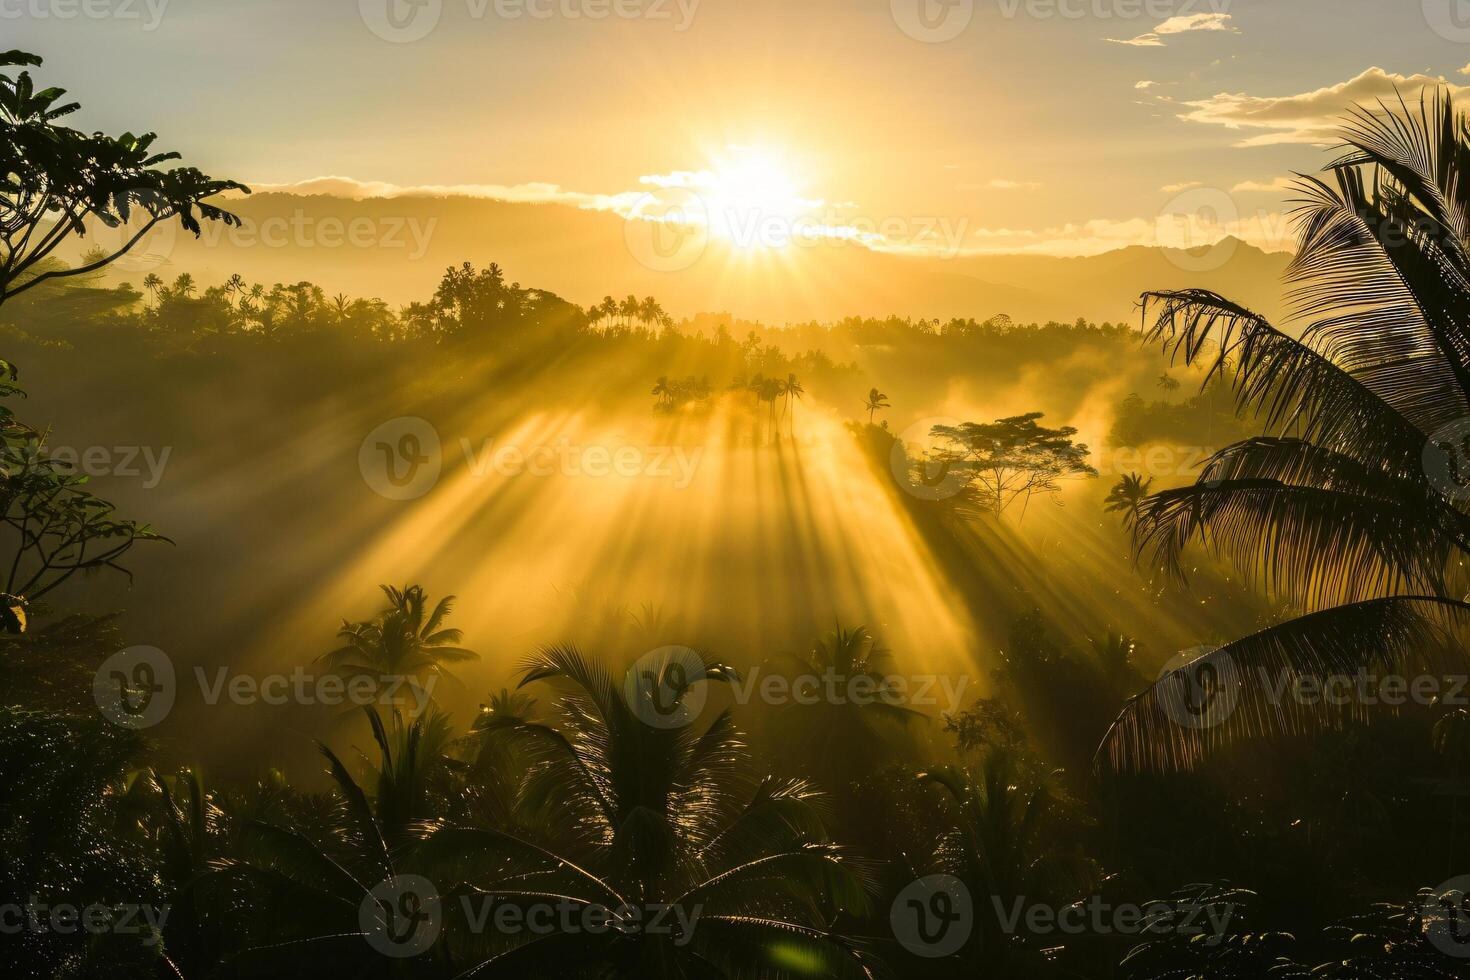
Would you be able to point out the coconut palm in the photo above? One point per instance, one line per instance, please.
(876, 401)
(297, 898)
(628, 309)
(663, 391)
(1349, 505)
(637, 815)
(793, 390)
(1127, 496)
(859, 716)
(406, 639)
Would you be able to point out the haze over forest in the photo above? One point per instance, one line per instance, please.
(734, 490)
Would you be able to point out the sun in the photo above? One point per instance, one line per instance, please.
(754, 201)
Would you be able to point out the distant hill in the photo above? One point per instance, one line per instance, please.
(397, 249)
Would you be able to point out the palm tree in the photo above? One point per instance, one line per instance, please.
(876, 401)
(843, 736)
(633, 816)
(1006, 843)
(300, 895)
(1114, 653)
(663, 391)
(651, 313)
(405, 640)
(793, 390)
(1127, 496)
(1334, 508)
(628, 309)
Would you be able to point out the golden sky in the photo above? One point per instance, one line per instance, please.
(1055, 126)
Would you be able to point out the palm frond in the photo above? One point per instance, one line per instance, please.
(1250, 683)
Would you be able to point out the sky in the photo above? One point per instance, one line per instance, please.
(1054, 126)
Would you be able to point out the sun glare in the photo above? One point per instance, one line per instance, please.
(754, 201)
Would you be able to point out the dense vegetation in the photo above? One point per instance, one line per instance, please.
(624, 807)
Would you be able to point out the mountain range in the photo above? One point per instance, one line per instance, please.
(397, 248)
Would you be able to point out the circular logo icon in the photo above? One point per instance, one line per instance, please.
(933, 21)
(1199, 687)
(401, 21)
(1447, 460)
(401, 916)
(922, 467)
(666, 688)
(147, 254)
(135, 688)
(1450, 19)
(1446, 917)
(668, 231)
(1194, 228)
(401, 459)
(933, 917)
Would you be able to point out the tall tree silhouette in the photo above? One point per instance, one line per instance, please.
(876, 402)
(56, 180)
(1350, 504)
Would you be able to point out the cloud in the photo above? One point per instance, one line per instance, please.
(1251, 186)
(1176, 188)
(1013, 185)
(1188, 24)
(1268, 230)
(534, 193)
(1309, 117)
(1141, 86)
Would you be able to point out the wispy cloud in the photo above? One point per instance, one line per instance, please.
(1265, 230)
(1184, 186)
(1270, 186)
(1308, 117)
(1187, 24)
(533, 193)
